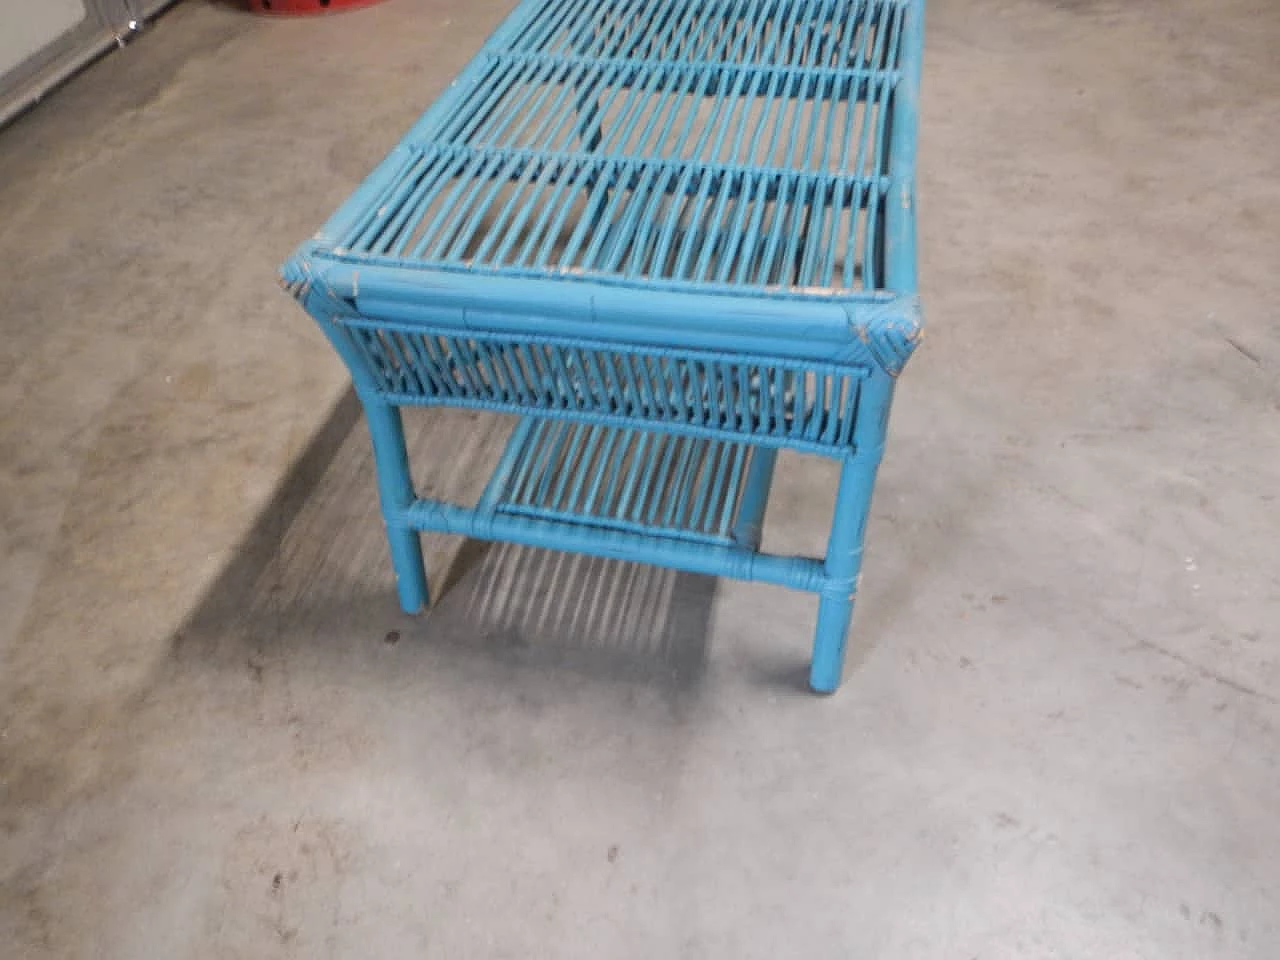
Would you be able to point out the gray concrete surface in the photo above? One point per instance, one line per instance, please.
(1058, 732)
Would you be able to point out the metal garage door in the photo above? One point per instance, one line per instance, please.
(42, 42)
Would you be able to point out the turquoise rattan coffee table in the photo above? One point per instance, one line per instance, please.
(674, 237)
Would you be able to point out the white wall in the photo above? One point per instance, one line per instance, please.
(28, 25)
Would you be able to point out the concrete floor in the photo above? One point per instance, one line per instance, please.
(1058, 732)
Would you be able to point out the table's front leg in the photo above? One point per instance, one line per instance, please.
(842, 565)
(843, 562)
(395, 490)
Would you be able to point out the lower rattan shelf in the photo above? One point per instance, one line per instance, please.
(635, 481)
(691, 503)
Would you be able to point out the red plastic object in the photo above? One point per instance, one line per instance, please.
(290, 8)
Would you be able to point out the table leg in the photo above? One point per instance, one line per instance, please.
(842, 565)
(395, 489)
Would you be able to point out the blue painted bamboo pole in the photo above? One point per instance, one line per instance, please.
(500, 483)
(395, 489)
(900, 217)
(749, 527)
(843, 563)
(799, 573)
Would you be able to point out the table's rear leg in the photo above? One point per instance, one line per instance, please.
(395, 489)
